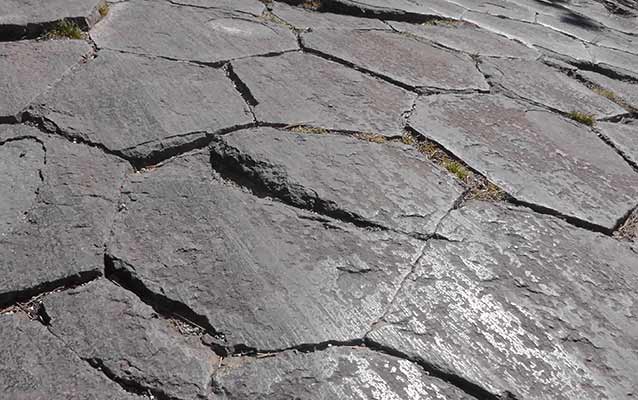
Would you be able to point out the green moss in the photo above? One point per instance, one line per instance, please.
(583, 118)
(457, 169)
(65, 29)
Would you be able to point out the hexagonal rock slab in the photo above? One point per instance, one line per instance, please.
(538, 157)
(36, 365)
(521, 303)
(627, 92)
(28, 67)
(334, 373)
(624, 137)
(390, 185)
(312, 91)
(303, 19)
(111, 327)
(140, 107)
(58, 211)
(543, 85)
(404, 59)
(468, 38)
(263, 274)
(189, 33)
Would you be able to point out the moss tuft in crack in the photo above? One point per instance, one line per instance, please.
(583, 118)
(64, 29)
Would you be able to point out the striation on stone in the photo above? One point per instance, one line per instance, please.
(263, 274)
(502, 8)
(404, 9)
(29, 67)
(111, 327)
(521, 303)
(312, 91)
(468, 38)
(334, 373)
(34, 364)
(188, 33)
(303, 19)
(543, 85)
(389, 185)
(626, 91)
(537, 157)
(624, 137)
(139, 106)
(254, 7)
(618, 61)
(405, 59)
(56, 212)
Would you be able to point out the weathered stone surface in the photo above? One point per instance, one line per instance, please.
(35, 365)
(254, 7)
(522, 303)
(312, 91)
(28, 67)
(303, 19)
(620, 61)
(139, 106)
(468, 38)
(189, 33)
(623, 136)
(56, 213)
(111, 327)
(627, 92)
(390, 185)
(536, 156)
(543, 85)
(406, 59)
(521, 11)
(264, 275)
(335, 373)
(406, 8)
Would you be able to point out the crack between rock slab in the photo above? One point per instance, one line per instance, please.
(242, 89)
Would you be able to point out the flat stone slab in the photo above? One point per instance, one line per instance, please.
(56, 212)
(262, 274)
(335, 373)
(523, 304)
(623, 136)
(390, 185)
(254, 7)
(303, 19)
(406, 8)
(544, 85)
(405, 59)
(537, 157)
(140, 106)
(36, 365)
(112, 328)
(309, 90)
(616, 60)
(189, 33)
(28, 67)
(627, 92)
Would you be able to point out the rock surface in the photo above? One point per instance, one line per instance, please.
(624, 137)
(626, 92)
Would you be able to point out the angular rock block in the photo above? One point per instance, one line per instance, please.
(626, 92)
(254, 7)
(405, 8)
(303, 19)
(624, 137)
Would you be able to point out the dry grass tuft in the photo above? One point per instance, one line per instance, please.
(64, 29)
(583, 118)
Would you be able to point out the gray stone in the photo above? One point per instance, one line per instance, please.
(335, 373)
(111, 327)
(312, 91)
(189, 33)
(623, 136)
(501, 8)
(35, 365)
(139, 106)
(28, 67)
(405, 59)
(627, 92)
(303, 19)
(620, 61)
(406, 8)
(56, 214)
(468, 38)
(537, 157)
(390, 185)
(254, 7)
(521, 303)
(543, 85)
(264, 275)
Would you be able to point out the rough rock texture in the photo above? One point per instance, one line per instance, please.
(536, 156)
(390, 185)
(140, 106)
(335, 373)
(28, 67)
(626, 92)
(254, 7)
(303, 19)
(624, 137)
(400, 9)
(524, 304)
(34, 364)
(262, 274)
(316, 92)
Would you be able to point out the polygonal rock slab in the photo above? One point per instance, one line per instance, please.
(399, 57)
(298, 88)
(543, 85)
(521, 303)
(189, 33)
(334, 373)
(536, 156)
(390, 185)
(264, 275)
(624, 137)
(34, 364)
(626, 92)
(303, 19)
(111, 327)
(468, 38)
(28, 67)
(141, 106)
(58, 212)
(619, 61)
